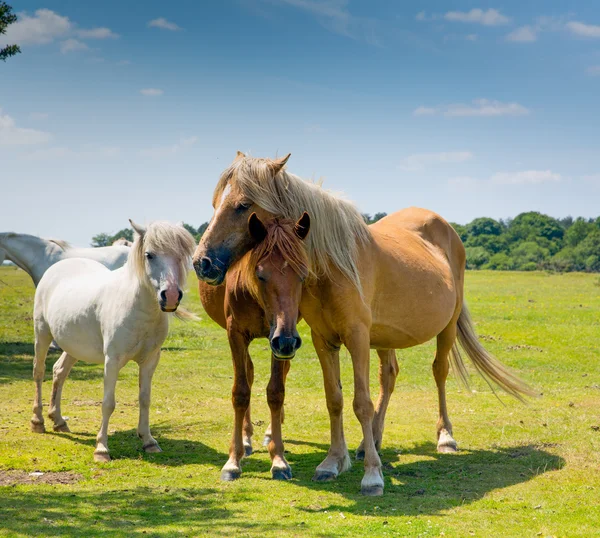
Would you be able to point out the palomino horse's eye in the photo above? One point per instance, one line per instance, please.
(244, 206)
(149, 256)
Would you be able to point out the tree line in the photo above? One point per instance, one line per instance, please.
(531, 241)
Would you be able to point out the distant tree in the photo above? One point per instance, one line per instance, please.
(528, 253)
(566, 222)
(491, 243)
(477, 257)
(484, 226)
(378, 216)
(367, 218)
(531, 225)
(500, 261)
(461, 230)
(578, 231)
(190, 228)
(101, 240)
(126, 233)
(7, 17)
(202, 229)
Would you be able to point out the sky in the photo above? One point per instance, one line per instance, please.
(118, 110)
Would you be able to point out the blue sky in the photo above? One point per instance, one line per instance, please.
(120, 110)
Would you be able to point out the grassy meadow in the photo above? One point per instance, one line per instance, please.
(522, 470)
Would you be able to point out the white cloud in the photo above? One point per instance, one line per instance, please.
(527, 176)
(477, 108)
(471, 37)
(41, 28)
(97, 33)
(491, 17)
(419, 161)
(593, 70)
(38, 116)
(421, 16)
(72, 45)
(524, 34)
(11, 135)
(163, 23)
(584, 30)
(166, 151)
(592, 178)
(151, 92)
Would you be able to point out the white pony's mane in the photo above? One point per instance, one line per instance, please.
(337, 227)
(162, 238)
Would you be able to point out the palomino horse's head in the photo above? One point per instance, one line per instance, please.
(226, 239)
(276, 270)
(160, 257)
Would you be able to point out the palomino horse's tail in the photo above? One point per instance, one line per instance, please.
(490, 368)
(186, 315)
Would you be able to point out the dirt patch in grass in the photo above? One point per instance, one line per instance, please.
(12, 478)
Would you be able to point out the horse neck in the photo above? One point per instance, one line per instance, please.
(32, 254)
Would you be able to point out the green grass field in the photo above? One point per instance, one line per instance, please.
(522, 470)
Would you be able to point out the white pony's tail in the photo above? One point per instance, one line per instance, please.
(186, 315)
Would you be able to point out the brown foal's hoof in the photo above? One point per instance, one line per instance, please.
(37, 427)
(324, 476)
(64, 428)
(101, 457)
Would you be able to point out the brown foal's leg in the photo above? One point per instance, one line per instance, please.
(61, 369)
(357, 342)
(248, 428)
(388, 372)
(445, 341)
(338, 459)
(240, 397)
(280, 469)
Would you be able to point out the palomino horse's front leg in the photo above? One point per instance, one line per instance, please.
(357, 342)
(338, 459)
(147, 368)
(60, 372)
(280, 469)
(240, 396)
(111, 372)
(248, 428)
(445, 341)
(388, 372)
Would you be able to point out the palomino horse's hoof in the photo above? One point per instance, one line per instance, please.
(37, 427)
(266, 440)
(447, 448)
(282, 474)
(101, 457)
(230, 476)
(64, 428)
(324, 476)
(152, 448)
(372, 491)
(248, 450)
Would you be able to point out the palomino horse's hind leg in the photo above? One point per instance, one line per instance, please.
(42, 342)
(248, 428)
(445, 341)
(388, 371)
(147, 368)
(111, 372)
(280, 469)
(338, 459)
(60, 372)
(357, 342)
(241, 400)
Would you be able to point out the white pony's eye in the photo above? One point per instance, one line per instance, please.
(149, 256)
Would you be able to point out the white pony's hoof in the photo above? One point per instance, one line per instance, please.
(38, 427)
(64, 428)
(101, 457)
(152, 449)
(371, 491)
(446, 444)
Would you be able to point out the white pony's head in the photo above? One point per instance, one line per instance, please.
(161, 257)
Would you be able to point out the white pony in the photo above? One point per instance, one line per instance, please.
(111, 318)
(35, 255)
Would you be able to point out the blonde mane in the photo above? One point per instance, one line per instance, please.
(337, 227)
(281, 237)
(166, 239)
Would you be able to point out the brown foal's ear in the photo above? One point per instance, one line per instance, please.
(257, 229)
(277, 165)
(303, 226)
(140, 230)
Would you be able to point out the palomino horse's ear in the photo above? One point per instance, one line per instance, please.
(303, 226)
(137, 228)
(239, 155)
(257, 229)
(278, 164)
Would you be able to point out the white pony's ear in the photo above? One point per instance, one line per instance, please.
(140, 230)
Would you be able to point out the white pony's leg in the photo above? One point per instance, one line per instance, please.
(147, 369)
(62, 368)
(111, 372)
(42, 342)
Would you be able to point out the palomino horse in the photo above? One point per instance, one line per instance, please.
(35, 255)
(393, 285)
(110, 318)
(233, 306)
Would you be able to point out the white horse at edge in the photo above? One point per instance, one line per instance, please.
(35, 255)
(111, 318)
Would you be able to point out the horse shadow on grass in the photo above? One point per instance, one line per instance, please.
(431, 484)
